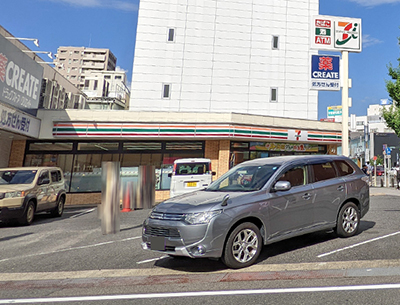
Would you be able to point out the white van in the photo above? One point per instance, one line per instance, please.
(189, 175)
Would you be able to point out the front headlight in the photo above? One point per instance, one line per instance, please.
(201, 218)
(14, 194)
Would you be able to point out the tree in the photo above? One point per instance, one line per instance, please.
(392, 115)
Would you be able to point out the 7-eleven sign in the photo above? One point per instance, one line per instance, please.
(336, 33)
(297, 135)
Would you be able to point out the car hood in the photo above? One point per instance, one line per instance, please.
(4, 188)
(198, 201)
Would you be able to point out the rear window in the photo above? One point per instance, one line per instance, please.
(323, 171)
(192, 168)
(55, 176)
(344, 168)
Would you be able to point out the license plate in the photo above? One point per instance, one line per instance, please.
(157, 243)
(191, 184)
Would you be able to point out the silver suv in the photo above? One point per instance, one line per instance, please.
(25, 191)
(260, 202)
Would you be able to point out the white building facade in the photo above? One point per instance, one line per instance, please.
(246, 56)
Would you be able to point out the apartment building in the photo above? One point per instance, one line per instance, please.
(225, 56)
(75, 63)
(107, 89)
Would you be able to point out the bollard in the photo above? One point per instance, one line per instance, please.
(146, 187)
(110, 192)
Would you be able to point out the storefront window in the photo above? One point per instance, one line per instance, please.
(50, 146)
(82, 165)
(86, 175)
(103, 146)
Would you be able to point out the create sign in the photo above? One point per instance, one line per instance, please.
(325, 72)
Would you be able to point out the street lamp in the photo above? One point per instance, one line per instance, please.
(35, 40)
(49, 54)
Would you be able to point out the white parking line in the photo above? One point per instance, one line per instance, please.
(71, 249)
(359, 244)
(201, 294)
(83, 213)
(151, 260)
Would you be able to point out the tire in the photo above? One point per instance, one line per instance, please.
(243, 246)
(29, 214)
(59, 209)
(348, 220)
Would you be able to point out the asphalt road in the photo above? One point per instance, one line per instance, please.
(69, 257)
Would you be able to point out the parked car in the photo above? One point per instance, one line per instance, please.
(380, 171)
(25, 191)
(190, 174)
(260, 202)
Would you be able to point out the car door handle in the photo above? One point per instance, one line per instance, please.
(306, 196)
(340, 188)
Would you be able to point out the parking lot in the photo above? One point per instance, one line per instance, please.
(75, 242)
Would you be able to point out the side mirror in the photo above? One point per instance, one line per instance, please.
(213, 173)
(281, 186)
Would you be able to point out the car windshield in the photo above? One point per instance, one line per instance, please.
(245, 178)
(17, 176)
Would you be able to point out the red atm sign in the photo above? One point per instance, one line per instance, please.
(323, 32)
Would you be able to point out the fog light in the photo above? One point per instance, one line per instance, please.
(198, 250)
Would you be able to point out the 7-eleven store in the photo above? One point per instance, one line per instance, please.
(80, 140)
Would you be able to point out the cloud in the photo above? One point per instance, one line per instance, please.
(110, 4)
(370, 41)
(371, 3)
(118, 68)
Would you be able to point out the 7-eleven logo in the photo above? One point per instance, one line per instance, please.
(297, 134)
(347, 34)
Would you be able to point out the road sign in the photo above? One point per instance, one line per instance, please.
(388, 151)
(375, 157)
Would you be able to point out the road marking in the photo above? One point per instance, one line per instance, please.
(71, 249)
(151, 260)
(200, 294)
(83, 213)
(359, 244)
(116, 273)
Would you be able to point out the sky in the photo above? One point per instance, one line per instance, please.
(112, 24)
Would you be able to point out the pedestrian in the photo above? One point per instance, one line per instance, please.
(398, 176)
(365, 169)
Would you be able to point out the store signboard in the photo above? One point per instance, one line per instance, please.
(334, 111)
(325, 72)
(20, 77)
(291, 147)
(18, 122)
(336, 33)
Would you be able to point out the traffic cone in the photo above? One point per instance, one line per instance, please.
(126, 204)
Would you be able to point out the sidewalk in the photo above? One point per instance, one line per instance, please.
(382, 191)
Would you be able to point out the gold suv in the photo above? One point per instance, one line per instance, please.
(25, 191)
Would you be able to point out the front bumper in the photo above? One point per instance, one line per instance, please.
(180, 239)
(11, 213)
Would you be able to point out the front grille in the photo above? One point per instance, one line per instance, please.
(164, 232)
(166, 216)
